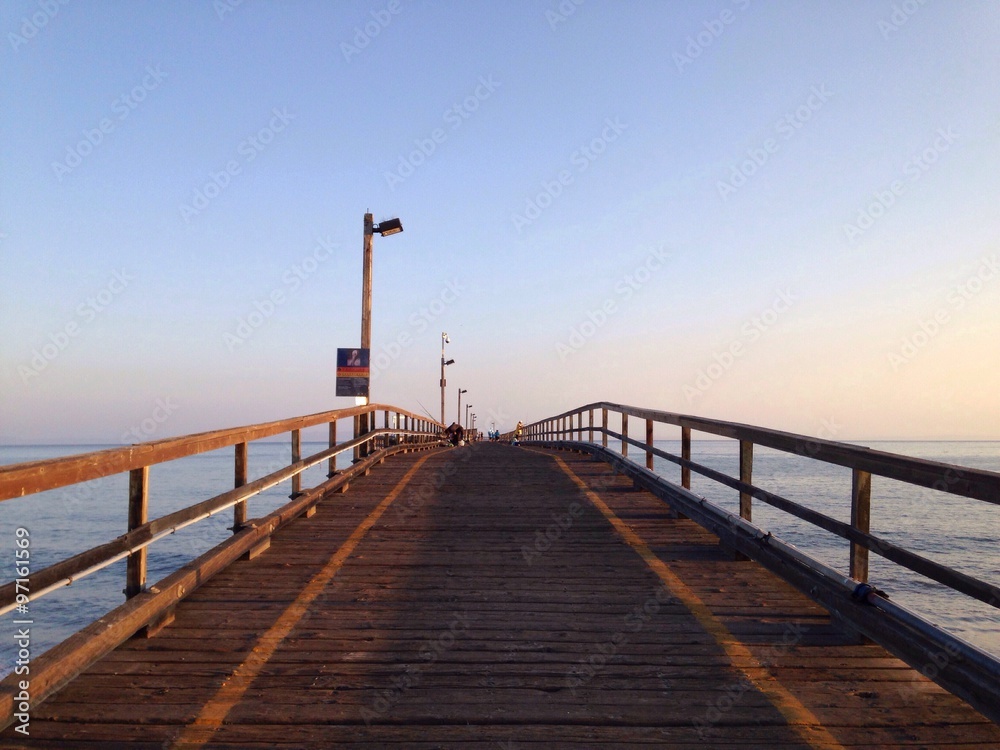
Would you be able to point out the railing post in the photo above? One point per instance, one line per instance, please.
(746, 476)
(604, 424)
(591, 426)
(331, 466)
(861, 502)
(624, 435)
(296, 456)
(385, 440)
(686, 455)
(138, 508)
(239, 479)
(357, 427)
(649, 444)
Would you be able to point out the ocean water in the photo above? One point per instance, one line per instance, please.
(963, 534)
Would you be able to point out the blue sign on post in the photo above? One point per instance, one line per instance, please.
(353, 372)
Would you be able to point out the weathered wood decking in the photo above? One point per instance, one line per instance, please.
(495, 603)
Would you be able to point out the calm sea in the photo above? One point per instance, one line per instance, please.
(960, 533)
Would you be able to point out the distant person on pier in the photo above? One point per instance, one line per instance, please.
(517, 432)
(455, 434)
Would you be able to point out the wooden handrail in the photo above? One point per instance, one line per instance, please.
(979, 484)
(18, 480)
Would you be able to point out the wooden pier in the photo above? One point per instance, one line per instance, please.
(496, 596)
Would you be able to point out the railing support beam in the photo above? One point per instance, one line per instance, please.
(649, 444)
(296, 456)
(138, 510)
(861, 499)
(239, 479)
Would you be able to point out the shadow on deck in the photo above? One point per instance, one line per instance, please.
(482, 597)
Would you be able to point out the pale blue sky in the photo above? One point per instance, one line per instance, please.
(586, 165)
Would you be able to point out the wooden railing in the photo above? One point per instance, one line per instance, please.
(148, 609)
(401, 429)
(970, 672)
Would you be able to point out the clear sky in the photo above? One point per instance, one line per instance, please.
(780, 213)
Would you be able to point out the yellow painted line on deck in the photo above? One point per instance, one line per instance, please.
(800, 718)
(214, 712)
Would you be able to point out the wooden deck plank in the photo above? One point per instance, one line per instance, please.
(456, 622)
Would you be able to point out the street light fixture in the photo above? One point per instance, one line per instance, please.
(467, 407)
(458, 416)
(444, 340)
(390, 226)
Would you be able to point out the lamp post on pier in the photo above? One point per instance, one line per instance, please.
(458, 415)
(385, 228)
(467, 407)
(444, 340)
